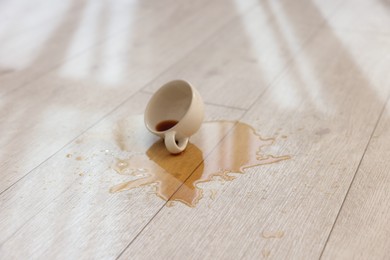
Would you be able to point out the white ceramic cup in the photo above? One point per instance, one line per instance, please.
(175, 101)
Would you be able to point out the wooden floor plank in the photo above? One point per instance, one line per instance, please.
(78, 28)
(362, 228)
(250, 54)
(71, 193)
(354, 16)
(312, 74)
(327, 103)
(35, 14)
(96, 85)
(32, 11)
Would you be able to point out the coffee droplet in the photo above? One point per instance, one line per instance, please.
(216, 151)
(165, 125)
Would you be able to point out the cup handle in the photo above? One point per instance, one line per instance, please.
(172, 146)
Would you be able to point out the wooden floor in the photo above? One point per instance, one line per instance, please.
(312, 74)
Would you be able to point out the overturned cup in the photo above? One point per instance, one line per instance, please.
(175, 112)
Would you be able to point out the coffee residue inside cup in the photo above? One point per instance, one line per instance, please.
(166, 125)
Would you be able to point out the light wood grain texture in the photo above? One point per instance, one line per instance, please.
(362, 228)
(354, 16)
(75, 78)
(73, 193)
(96, 85)
(287, 210)
(250, 54)
(61, 31)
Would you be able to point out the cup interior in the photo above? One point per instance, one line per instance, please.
(170, 102)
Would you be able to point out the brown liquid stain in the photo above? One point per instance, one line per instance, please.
(215, 151)
(79, 158)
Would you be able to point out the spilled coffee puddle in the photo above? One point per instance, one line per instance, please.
(217, 150)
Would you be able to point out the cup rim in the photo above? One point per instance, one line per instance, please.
(162, 88)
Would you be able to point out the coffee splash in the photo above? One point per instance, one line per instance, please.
(217, 150)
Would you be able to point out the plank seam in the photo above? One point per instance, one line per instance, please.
(354, 177)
